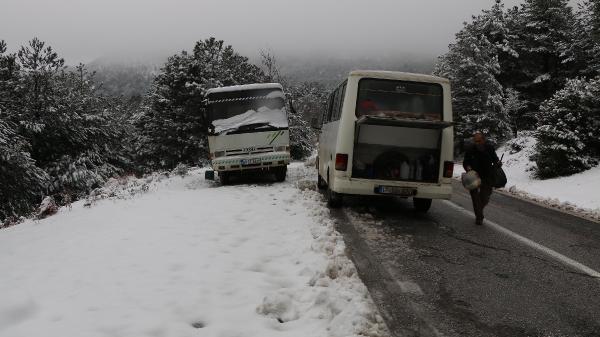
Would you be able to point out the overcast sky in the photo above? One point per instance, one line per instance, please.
(83, 30)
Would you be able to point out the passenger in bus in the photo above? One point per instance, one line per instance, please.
(481, 157)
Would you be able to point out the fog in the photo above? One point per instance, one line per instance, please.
(84, 30)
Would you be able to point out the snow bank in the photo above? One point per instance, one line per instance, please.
(577, 193)
(181, 256)
(273, 117)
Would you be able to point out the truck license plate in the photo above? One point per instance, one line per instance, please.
(250, 161)
(395, 190)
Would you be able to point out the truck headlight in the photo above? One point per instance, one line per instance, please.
(282, 148)
(218, 154)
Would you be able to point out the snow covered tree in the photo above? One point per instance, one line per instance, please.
(544, 29)
(307, 100)
(515, 108)
(39, 66)
(21, 181)
(271, 66)
(171, 123)
(584, 50)
(472, 66)
(83, 148)
(567, 137)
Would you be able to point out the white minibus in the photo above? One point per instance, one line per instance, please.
(390, 134)
(247, 130)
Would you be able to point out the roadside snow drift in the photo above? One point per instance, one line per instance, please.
(180, 256)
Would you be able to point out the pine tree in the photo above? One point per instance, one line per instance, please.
(86, 148)
(472, 66)
(584, 50)
(567, 140)
(22, 183)
(515, 108)
(544, 30)
(171, 123)
(307, 100)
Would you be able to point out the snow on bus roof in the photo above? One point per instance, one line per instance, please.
(255, 86)
(398, 75)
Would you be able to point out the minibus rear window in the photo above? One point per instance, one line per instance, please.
(399, 99)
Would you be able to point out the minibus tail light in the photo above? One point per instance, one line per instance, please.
(341, 162)
(448, 169)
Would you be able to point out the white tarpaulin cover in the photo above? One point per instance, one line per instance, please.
(274, 117)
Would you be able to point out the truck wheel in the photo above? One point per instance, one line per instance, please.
(225, 178)
(422, 205)
(280, 173)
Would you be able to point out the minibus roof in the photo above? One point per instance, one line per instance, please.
(397, 75)
(255, 86)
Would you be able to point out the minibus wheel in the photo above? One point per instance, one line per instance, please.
(422, 205)
(321, 184)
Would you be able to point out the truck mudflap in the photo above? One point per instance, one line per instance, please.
(403, 122)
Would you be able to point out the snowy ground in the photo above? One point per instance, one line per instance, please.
(578, 193)
(180, 256)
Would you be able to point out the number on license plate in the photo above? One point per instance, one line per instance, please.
(401, 191)
(250, 161)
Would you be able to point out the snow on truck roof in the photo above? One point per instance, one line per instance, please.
(255, 86)
(397, 75)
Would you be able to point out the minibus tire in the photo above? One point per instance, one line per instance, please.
(422, 205)
(321, 184)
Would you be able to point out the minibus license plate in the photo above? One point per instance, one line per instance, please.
(250, 161)
(395, 190)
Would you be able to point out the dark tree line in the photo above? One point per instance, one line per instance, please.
(530, 67)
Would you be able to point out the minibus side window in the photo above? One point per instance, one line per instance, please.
(340, 102)
(329, 108)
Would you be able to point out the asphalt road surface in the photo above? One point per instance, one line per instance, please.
(528, 271)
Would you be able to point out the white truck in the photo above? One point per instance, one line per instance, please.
(247, 131)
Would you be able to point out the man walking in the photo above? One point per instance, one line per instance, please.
(482, 158)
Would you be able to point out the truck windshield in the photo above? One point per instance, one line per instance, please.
(247, 114)
(399, 99)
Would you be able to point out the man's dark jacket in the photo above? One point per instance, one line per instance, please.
(481, 160)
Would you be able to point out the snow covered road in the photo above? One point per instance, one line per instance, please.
(187, 258)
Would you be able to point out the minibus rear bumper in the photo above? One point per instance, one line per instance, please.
(355, 186)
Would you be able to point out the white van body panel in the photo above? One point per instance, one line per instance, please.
(339, 137)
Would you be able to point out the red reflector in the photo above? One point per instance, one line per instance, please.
(341, 161)
(448, 169)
